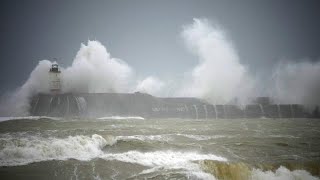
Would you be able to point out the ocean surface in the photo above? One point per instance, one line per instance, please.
(138, 148)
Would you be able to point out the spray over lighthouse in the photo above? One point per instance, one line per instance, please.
(86, 93)
(61, 104)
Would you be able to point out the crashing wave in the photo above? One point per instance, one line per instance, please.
(281, 173)
(240, 170)
(167, 160)
(21, 151)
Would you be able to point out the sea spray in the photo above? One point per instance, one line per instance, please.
(281, 173)
(16, 103)
(93, 70)
(151, 85)
(296, 82)
(219, 77)
(219, 74)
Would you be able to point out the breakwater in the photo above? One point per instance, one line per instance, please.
(145, 105)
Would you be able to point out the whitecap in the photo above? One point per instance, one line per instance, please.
(282, 173)
(27, 118)
(25, 150)
(166, 160)
(121, 118)
(160, 138)
(203, 137)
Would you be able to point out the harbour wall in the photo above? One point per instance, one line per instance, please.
(145, 105)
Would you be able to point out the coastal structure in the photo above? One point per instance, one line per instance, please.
(140, 104)
(145, 105)
(54, 75)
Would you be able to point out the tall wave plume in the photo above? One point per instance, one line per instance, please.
(93, 70)
(16, 103)
(219, 77)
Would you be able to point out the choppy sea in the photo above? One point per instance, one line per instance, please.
(138, 148)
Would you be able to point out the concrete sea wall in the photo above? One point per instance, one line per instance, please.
(139, 104)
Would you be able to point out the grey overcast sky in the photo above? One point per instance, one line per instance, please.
(146, 33)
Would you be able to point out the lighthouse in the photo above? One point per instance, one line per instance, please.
(54, 74)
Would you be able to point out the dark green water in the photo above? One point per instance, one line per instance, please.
(135, 148)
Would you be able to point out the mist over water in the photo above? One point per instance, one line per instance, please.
(219, 77)
(118, 147)
(16, 103)
(297, 82)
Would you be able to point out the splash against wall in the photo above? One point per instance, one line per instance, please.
(219, 76)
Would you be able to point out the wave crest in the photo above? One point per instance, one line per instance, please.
(35, 149)
(28, 118)
(121, 118)
(240, 170)
(167, 160)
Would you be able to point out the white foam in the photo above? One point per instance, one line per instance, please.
(196, 137)
(120, 118)
(204, 137)
(20, 151)
(27, 118)
(166, 160)
(282, 173)
(161, 138)
(283, 136)
(151, 85)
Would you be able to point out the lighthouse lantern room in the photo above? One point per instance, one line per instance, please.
(55, 84)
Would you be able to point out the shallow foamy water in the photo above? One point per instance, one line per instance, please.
(138, 148)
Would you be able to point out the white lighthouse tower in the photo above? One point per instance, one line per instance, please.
(55, 84)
